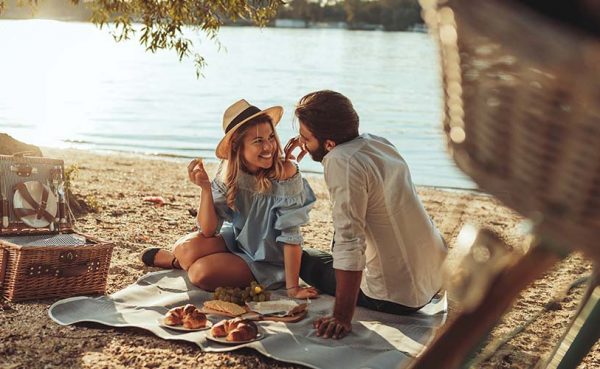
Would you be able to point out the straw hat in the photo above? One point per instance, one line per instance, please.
(238, 114)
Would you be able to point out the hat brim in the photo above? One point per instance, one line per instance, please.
(222, 151)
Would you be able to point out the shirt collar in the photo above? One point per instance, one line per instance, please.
(359, 137)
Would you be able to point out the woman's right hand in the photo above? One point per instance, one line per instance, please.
(198, 174)
(292, 144)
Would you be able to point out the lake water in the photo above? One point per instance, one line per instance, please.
(71, 85)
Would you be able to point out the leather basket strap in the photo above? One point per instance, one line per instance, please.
(20, 213)
(38, 209)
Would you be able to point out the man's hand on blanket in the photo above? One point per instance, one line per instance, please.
(330, 326)
(303, 293)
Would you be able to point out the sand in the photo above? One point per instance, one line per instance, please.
(118, 184)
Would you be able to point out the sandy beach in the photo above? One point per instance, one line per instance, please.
(118, 184)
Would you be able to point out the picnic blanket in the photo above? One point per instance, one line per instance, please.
(377, 340)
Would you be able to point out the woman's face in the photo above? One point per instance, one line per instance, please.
(259, 147)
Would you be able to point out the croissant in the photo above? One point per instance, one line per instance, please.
(194, 320)
(188, 315)
(174, 316)
(235, 330)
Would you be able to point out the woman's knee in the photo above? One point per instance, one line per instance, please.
(190, 237)
(183, 249)
(201, 276)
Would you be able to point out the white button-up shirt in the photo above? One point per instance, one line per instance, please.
(380, 224)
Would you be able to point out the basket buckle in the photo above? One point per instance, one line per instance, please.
(68, 256)
(23, 170)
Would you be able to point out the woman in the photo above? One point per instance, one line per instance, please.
(263, 200)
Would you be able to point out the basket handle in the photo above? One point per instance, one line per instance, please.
(22, 154)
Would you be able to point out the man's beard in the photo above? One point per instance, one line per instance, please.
(319, 153)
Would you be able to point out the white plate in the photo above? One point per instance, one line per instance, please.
(35, 189)
(182, 328)
(224, 341)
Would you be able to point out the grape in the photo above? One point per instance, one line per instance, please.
(255, 292)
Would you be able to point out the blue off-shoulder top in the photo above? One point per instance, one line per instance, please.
(263, 222)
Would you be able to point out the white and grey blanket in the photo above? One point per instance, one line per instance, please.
(377, 340)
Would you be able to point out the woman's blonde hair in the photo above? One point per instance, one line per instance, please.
(230, 169)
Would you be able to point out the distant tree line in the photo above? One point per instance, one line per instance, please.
(393, 15)
(159, 24)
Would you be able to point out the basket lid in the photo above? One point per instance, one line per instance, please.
(32, 195)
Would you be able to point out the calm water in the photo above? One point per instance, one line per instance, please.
(71, 85)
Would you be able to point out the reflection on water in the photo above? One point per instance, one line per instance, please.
(68, 84)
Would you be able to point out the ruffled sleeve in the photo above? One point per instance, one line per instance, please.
(292, 210)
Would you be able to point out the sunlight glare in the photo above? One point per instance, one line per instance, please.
(53, 88)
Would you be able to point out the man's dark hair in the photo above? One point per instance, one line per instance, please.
(328, 115)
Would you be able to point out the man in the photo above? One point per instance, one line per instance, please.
(386, 251)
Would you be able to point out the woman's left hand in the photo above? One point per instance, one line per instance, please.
(303, 293)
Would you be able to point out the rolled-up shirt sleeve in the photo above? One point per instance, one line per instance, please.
(347, 186)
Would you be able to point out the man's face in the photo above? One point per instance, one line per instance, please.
(315, 148)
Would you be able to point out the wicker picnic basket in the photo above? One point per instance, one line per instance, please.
(41, 256)
(522, 110)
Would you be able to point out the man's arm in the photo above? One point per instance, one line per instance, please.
(347, 288)
(347, 185)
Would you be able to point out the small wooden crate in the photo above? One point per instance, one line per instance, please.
(53, 261)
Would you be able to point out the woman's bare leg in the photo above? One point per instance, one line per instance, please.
(222, 269)
(188, 249)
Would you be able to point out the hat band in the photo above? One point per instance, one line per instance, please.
(248, 112)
